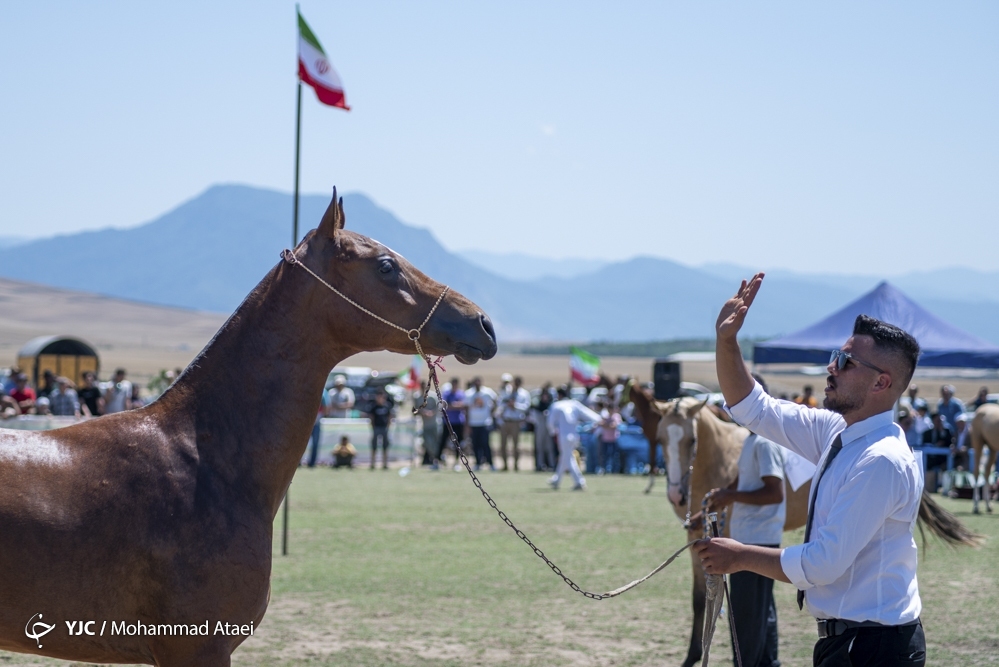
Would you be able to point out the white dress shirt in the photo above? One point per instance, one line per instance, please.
(563, 417)
(860, 564)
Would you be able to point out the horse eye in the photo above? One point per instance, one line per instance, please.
(385, 266)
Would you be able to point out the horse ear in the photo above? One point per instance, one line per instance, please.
(334, 219)
(697, 408)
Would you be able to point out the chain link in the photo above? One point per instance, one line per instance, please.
(433, 365)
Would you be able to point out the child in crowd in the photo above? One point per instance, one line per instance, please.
(344, 453)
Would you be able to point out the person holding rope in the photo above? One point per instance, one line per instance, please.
(857, 566)
(757, 517)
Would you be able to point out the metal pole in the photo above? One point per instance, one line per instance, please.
(284, 527)
(298, 142)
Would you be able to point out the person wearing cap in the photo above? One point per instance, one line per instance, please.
(341, 398)
(514, 402)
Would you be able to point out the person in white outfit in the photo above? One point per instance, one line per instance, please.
(563, 417)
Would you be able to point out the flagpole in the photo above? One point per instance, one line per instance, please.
(298, 143)
(294, 242)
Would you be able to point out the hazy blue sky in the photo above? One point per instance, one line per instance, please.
(847, 137)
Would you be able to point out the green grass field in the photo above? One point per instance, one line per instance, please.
(418, 570)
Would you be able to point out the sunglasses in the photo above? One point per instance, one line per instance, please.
(840, 358)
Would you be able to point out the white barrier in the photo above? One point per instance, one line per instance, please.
(39, 422)
(402, 436)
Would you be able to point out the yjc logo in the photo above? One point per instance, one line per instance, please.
(38, 629)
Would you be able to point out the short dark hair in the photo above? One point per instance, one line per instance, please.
(891, 339)
(562, 392)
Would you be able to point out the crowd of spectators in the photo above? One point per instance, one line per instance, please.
(475, 411)
(59, 396)
(943, 430)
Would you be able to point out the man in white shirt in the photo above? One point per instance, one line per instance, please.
(118, 396)
(479, 405)
(341, 398)
(857, 567)
(563, 417)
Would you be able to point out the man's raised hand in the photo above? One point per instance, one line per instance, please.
(733, 313)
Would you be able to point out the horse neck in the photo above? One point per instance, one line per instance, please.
(711, 442)
(252, 395)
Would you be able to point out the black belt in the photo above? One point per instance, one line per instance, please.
(834, 627)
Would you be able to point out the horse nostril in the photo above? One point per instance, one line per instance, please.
(487, 326)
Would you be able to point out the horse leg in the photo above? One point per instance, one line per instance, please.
(989, 464)
(694, 651)
(978, 447)
(652, 467)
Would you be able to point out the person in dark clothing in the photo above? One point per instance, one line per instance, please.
(938, 436)
(48, 384)
(91, 400)
(380, 414)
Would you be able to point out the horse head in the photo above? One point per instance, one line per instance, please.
(383, 282)
(678, 435)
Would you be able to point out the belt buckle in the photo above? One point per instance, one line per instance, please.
(830, 627)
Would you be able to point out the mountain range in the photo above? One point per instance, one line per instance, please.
(210, 251)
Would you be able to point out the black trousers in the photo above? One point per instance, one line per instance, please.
(869, 647)
(755, 617)
(480, 445)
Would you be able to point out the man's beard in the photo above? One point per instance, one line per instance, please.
(841, 404)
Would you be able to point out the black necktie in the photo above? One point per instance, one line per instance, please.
(833, 451)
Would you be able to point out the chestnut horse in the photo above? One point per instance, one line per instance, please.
(163, 516)
(985, 431)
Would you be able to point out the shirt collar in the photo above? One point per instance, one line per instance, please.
(865, 427)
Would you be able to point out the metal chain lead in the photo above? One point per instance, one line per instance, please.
(442, 404)
(414, 335)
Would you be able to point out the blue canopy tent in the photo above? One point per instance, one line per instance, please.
(942, 344)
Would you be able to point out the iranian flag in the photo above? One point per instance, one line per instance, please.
(315, 69)
(410, 377)
(583, 366)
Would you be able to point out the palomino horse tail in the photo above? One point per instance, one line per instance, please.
(945, 525)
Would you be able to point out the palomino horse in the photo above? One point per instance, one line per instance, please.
(162, 517)
(985, 431)
(687, 430)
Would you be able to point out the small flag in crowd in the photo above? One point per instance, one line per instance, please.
(315, 69)
(583, 366)
(410, 377)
